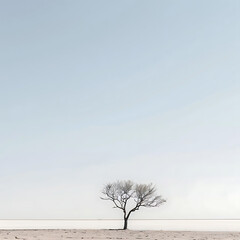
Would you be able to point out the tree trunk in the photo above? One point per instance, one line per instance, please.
(125, 223)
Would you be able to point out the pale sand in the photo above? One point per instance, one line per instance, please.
(114, 234)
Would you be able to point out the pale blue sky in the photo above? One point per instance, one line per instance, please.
(95, 91)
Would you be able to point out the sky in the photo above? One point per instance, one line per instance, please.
(97, 91)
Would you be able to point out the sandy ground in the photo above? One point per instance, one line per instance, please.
(114, 234)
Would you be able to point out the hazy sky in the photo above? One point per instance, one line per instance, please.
(96, 91)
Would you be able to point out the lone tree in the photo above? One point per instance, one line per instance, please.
(141, 195)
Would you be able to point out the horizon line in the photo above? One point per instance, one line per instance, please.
(108, 219)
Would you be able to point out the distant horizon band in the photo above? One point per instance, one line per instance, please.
(102, 219)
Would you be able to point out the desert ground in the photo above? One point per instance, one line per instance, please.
(114, 234)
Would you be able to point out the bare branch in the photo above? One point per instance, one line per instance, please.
(120, 192)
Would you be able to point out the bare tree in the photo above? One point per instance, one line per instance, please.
(141, 195)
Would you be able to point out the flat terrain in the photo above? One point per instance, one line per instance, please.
(114, 234)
